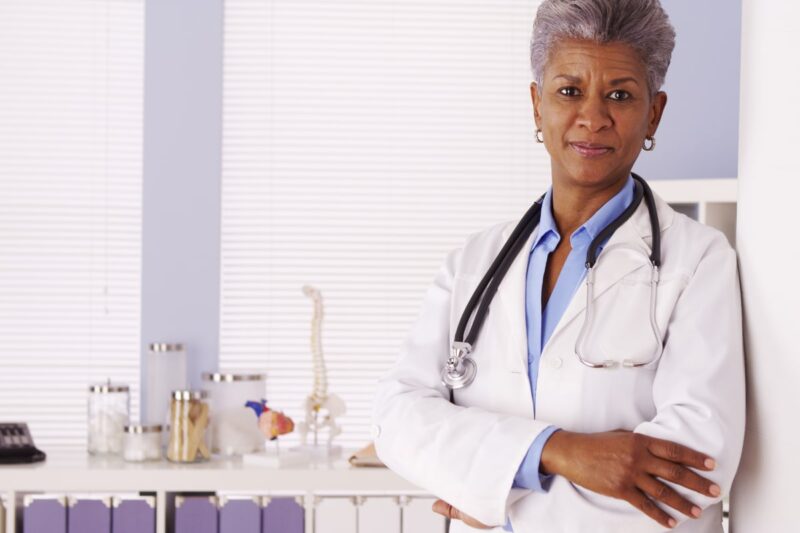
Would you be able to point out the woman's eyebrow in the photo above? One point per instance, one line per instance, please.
(619, 81)
(615, 81)
(570, 79)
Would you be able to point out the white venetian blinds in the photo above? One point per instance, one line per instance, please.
(71, 74)
(362, 140)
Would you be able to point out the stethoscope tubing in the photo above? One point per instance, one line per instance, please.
(488, 285)
(459, 361)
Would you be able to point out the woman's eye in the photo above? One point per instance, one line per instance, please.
(568, 91)
(619, 95)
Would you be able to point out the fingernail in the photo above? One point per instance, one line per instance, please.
(671, 522)
(696, 511)
(710, 463)
(714, 490)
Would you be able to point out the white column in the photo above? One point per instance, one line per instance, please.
(766, 486)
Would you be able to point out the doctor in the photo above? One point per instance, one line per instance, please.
(550, 436)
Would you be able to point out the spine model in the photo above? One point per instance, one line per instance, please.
(321, 408)
(320, 392)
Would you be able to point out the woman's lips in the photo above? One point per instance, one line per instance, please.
(591, 149)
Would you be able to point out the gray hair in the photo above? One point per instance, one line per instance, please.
(642, 24)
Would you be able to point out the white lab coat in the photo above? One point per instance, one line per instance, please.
(468, 453)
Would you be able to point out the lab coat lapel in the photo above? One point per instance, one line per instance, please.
(635, 231)
(610, 269)
(512, 289)
(614, 266)
(511, 294)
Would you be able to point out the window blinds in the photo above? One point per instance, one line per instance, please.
(362, 140)
(70, 202)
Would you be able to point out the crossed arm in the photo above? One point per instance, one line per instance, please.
(623, 465)
(698, 392)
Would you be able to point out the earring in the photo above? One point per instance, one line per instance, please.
(539, 137)
(652, 145)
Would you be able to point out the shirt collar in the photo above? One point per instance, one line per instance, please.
(584, 235)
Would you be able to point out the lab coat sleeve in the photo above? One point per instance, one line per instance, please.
(466, 456)
(699, 395)
(699, 388)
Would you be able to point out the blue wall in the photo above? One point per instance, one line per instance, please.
(181, 193)
(699, 133)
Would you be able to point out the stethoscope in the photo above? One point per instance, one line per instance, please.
(460, 369)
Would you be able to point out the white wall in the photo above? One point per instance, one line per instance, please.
(765, 487)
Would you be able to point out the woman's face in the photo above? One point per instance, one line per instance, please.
(595, 111)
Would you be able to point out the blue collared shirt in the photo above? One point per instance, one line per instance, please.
(540, 322)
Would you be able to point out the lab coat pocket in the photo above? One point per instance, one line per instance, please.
(621, 329)
(621, 397)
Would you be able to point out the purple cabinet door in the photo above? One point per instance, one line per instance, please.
(89, 515)
(134, 515)
(239, 515)
(283, 515)
(44, 515)
(195, 514)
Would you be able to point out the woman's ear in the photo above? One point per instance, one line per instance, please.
(657, 106)
(536, 99)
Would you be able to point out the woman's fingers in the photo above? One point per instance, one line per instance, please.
(658, 491)
(677, 453)
(683, 476)
(639, 500)
(614, 463)
(445, 509)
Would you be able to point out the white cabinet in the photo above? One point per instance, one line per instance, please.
(710, 201)
(329, 491)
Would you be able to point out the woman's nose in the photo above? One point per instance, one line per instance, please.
(593, 114)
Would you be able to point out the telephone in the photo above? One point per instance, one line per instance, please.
(16, 444)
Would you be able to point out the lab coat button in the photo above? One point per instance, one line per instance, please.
(555, 362)
(376, 431)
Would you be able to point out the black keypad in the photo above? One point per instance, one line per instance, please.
(14, 436)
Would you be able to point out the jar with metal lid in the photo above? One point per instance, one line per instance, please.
(189, 416)
(234, 429)
(165, 371)
(142, 443)
(109, 409)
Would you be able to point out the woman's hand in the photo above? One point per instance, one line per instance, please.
(445, 509)
(626, 465)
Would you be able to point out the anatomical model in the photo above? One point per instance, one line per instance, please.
(321, 408)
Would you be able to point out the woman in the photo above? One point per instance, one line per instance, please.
(541, 441)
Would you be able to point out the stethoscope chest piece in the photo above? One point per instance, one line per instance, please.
(460, 369)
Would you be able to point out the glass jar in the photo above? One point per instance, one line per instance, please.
(142, 443)
(234, 429)
(189, 416)
(165, 371)
(109, 408)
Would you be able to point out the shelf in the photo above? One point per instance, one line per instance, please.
(721, 190)
(76, 472)
(73, 471)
